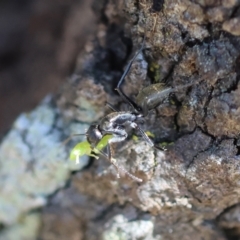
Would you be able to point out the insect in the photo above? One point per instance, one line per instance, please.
(117, 123)
(85, 148)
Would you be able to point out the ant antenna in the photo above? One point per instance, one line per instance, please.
(111, 107)
(71, 136)
(118, 89)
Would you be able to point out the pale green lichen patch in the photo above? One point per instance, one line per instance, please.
(26, 229)
(34, 163)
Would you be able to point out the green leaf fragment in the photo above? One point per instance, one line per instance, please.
(84, 148)
(104, 141)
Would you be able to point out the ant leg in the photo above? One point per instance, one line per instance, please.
(160, 148)
(71, 136)
(144, 108)
(111, 107)
(113, 161)
(120, 168)
(118, 89)
(145, 136)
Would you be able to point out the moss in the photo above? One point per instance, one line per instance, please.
(165, 144)
(155, 71)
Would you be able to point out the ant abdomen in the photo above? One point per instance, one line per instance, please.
(152, 96)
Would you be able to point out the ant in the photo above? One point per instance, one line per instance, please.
(117, 123)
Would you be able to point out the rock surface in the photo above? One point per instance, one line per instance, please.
(189, 191)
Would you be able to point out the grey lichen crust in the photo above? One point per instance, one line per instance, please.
(34, 162)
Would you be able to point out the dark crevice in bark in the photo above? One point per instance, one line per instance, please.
(235, 12)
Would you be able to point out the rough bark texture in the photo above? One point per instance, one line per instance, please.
(190, 191)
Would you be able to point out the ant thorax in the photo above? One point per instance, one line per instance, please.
(117, 123)
(116, 119)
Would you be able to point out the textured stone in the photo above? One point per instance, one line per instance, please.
(232, 26)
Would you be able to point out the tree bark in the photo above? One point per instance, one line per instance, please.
(189, 191)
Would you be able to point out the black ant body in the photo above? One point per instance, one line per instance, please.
(118, 123)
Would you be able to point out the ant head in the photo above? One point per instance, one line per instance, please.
(93, 134)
